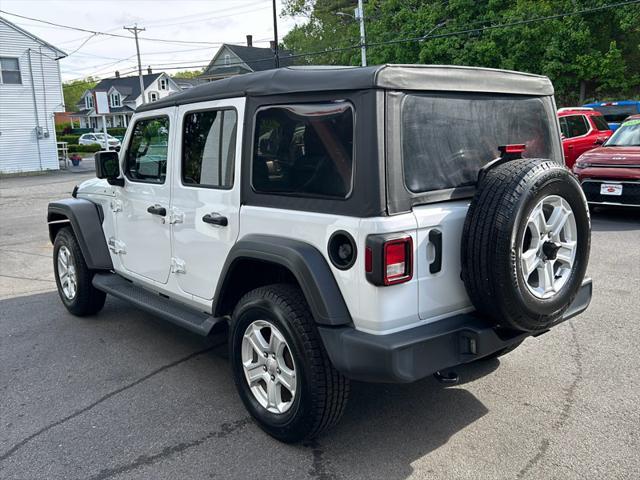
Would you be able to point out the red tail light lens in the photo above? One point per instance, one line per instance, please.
(397, 260)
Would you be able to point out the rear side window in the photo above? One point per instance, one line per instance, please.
(209, 148)
(304, 150)
(574, 126)
(146, 158)
(600, 122)
(447, 139)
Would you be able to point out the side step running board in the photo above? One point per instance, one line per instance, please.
(197, 322)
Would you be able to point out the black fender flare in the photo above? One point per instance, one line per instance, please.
(85, 218)
(306, 264)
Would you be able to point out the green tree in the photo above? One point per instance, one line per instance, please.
(188, 74)
(587, 56)
(73, 91)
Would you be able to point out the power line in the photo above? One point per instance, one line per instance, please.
(424, 37)
(108, 34)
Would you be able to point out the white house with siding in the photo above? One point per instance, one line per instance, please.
(124, 96)
(30, 93)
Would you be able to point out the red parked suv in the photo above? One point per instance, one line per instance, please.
(610, 175)
(582, 129)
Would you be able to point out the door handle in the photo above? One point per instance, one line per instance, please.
(215, 219)
(157, 210)
(435, 238)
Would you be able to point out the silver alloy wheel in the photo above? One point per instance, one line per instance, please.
(268, 366)
(548, 246)
(67, 273)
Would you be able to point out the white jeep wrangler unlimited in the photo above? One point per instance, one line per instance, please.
(379, 224)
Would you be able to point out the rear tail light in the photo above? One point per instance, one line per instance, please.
(389, 259)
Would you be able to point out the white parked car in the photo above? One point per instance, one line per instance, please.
(345, 223)
(98, 139)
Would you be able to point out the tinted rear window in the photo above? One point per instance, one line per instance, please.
(304, 150)
(446, 140)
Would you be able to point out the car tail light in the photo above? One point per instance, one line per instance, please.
(389, 259)
(513, 148)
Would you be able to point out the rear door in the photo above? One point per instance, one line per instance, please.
(205, 207)
(576, 130)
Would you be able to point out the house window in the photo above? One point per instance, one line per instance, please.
(88, 101)
(227, 59)
(163, 84)
(10, 71)
(153, 96)
(114, 99)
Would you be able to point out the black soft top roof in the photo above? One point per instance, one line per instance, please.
(290, 80)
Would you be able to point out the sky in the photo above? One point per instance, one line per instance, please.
(208, 21)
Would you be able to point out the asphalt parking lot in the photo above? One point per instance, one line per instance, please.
(125, 396)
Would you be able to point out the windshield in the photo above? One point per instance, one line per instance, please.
(446, 139)
(628, 135)
(100, 136)
(616, 113)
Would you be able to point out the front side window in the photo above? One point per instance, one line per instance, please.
(446, 139)
(574, 126)
(304, 150)
(208, 148)
(10, 71)
(146, 158)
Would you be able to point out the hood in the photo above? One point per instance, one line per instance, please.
(95, 186)
(612, 156)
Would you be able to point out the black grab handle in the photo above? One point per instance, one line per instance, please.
(435, 237)
(215, 219)
(157, 210)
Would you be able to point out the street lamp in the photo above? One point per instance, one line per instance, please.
(359, 17)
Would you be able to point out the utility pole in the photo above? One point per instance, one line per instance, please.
(275, 35)
(363, 42)
(135, 31)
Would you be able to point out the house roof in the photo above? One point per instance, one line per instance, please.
(129, 86)
(60, 54)
(291, 80)
(258, 59)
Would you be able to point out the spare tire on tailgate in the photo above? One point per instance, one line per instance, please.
(525, 243)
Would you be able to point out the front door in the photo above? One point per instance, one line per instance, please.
(143, 229)
(205, 206)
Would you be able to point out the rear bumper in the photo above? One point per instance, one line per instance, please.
(413, 354)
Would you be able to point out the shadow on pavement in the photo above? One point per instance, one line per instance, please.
(409, 420)
(612, 219)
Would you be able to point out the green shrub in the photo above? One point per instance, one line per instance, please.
(69, 138)
(117, 132)
(85, 148)
(63, 128)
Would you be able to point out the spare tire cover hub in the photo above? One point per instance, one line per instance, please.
(548, 246)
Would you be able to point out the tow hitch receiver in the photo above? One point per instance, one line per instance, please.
(448, 378)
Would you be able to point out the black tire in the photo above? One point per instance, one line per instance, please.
(87, 300)
(322, 391)
(496, 222)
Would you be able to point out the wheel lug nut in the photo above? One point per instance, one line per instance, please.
(277, 370)
(264, 368)
(273, 377)
(273, 355)
(265, 354)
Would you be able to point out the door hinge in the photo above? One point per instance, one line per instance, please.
(177, 265)
(116, 206)
(117, 246)
(176, 217)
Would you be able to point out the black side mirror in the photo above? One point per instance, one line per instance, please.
(108, 166)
